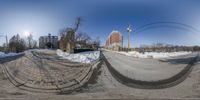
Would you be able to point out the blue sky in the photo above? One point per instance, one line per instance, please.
(100, 17)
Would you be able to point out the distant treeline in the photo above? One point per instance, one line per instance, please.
(18, 44)
(160, 47)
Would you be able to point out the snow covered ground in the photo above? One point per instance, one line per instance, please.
(84, 57)
(155, 55)
(3, 55)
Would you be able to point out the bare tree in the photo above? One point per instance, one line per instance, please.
(17, 44)
(97, 42)
(31, 43)
(67, 40)
(82, 39)
(77, 23)
(30, 39)
(81, 36)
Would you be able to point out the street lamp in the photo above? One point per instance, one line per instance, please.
(129, 31)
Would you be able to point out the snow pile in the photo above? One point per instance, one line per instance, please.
(155, 55)
(3, 55)
(166, 54)
(84, 57)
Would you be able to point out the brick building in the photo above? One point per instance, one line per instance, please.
(114, 41)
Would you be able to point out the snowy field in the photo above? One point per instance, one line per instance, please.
(84, 57)
(155, 55)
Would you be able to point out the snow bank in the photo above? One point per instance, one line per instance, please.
(155, 55)
(166, 54)
(3, 55)
(84, 57)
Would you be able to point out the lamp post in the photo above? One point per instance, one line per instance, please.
(129, 31)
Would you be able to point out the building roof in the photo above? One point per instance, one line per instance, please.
(114, 31)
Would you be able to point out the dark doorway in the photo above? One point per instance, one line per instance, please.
(49, 45)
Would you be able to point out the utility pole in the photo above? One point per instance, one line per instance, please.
(6, 43)
(6, 47)
(129, 31)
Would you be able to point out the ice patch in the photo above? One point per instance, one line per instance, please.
(3, 55)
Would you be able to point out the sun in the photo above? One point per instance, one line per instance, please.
(26, 33)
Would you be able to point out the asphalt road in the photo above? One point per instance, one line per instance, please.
(148, 69)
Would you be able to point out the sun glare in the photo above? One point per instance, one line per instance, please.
(26, 33)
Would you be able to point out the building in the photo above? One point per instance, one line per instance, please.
(48, 42)
(114, 41)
